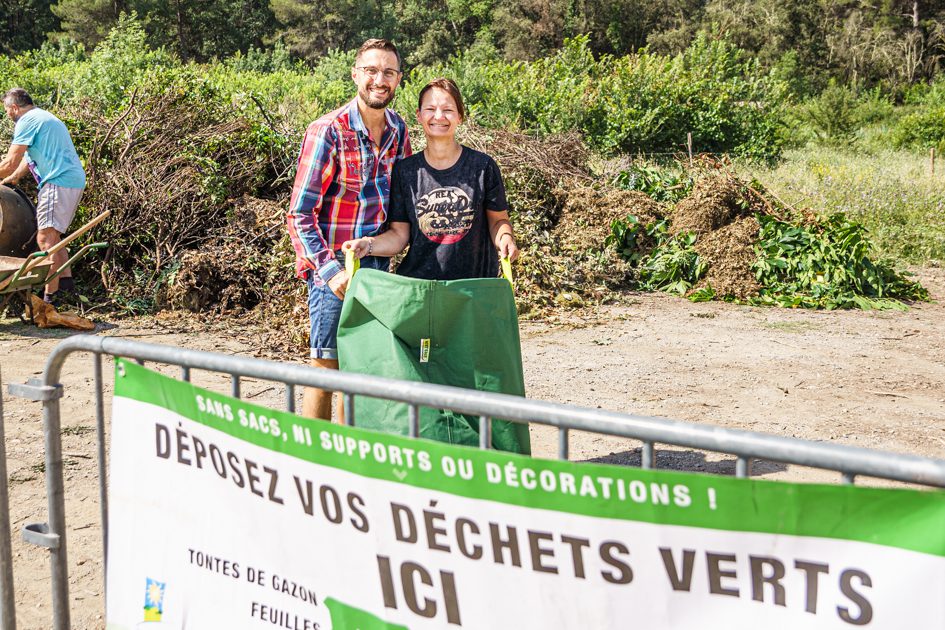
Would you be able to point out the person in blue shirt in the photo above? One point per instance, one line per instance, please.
(42, 145)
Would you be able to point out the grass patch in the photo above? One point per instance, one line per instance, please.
(77, 430)
(892, 193)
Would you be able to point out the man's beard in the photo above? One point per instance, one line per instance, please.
(374, 101)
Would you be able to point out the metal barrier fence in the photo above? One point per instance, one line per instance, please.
(745, 445)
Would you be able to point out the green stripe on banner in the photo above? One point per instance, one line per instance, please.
(907, 519)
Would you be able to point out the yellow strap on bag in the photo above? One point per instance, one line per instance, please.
(352, 263)
(507, 270)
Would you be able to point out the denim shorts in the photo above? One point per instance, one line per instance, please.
(324, 311)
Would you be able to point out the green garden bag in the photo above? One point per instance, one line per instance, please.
(458, 332)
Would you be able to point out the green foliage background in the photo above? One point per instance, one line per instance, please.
(735, 102)
(644, 102)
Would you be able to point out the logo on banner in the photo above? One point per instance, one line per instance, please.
(153, 600)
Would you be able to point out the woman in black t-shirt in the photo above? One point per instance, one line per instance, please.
(447, 202)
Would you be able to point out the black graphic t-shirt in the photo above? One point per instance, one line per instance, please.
(446, 210)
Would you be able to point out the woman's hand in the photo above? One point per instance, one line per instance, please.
(507, 247)
(361, 246)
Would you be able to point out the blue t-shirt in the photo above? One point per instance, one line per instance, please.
(50, 149)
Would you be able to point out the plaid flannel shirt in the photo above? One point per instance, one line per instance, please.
(342, 187)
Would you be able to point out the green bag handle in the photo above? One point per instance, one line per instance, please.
(352, 263)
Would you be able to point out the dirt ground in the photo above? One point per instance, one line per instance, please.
(870, 379)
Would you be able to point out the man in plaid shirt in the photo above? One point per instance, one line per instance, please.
(342, 192)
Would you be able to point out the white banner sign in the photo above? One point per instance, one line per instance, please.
(228, 515)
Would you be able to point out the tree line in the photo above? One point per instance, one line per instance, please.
(887, 43)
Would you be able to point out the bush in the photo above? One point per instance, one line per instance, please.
(874, 107)
(829, 118)
(928, 94)
(923, 129)
(638, 103)
(727, 102)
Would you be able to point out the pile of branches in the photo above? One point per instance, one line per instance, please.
(532, 168)
(561, 219)
(171, 169)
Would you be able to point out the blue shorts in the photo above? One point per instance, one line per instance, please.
(324, 311)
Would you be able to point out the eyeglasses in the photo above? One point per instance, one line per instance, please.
(389, 74)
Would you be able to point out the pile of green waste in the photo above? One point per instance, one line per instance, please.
(719, 237)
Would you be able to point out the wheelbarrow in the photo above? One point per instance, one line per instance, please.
(20, 276)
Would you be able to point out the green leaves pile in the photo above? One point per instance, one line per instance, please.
(674, 266)
(671, 265)
(826, 265)
(822, 262)
(659, 183)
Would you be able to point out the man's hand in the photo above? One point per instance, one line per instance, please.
(338, 284)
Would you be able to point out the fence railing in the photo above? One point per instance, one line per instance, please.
(745, 445)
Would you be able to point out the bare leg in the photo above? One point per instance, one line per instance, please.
(46, 238)
(340, 406)
(316, 403)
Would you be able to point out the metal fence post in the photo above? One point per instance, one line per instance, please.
(648, 456)
(563, 444)
(102, 460)
(7, 600)
(55, 496)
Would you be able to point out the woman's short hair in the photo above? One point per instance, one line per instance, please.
(449, 86)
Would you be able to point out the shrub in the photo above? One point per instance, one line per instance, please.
(828, 118)
(637, 103)
(925, 128)
(120, 63)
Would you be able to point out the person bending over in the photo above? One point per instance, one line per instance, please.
(42, 144)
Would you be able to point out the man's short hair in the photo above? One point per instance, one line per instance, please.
(18, 97)
(380, 44)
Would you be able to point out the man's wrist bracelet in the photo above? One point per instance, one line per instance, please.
(370, 246)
